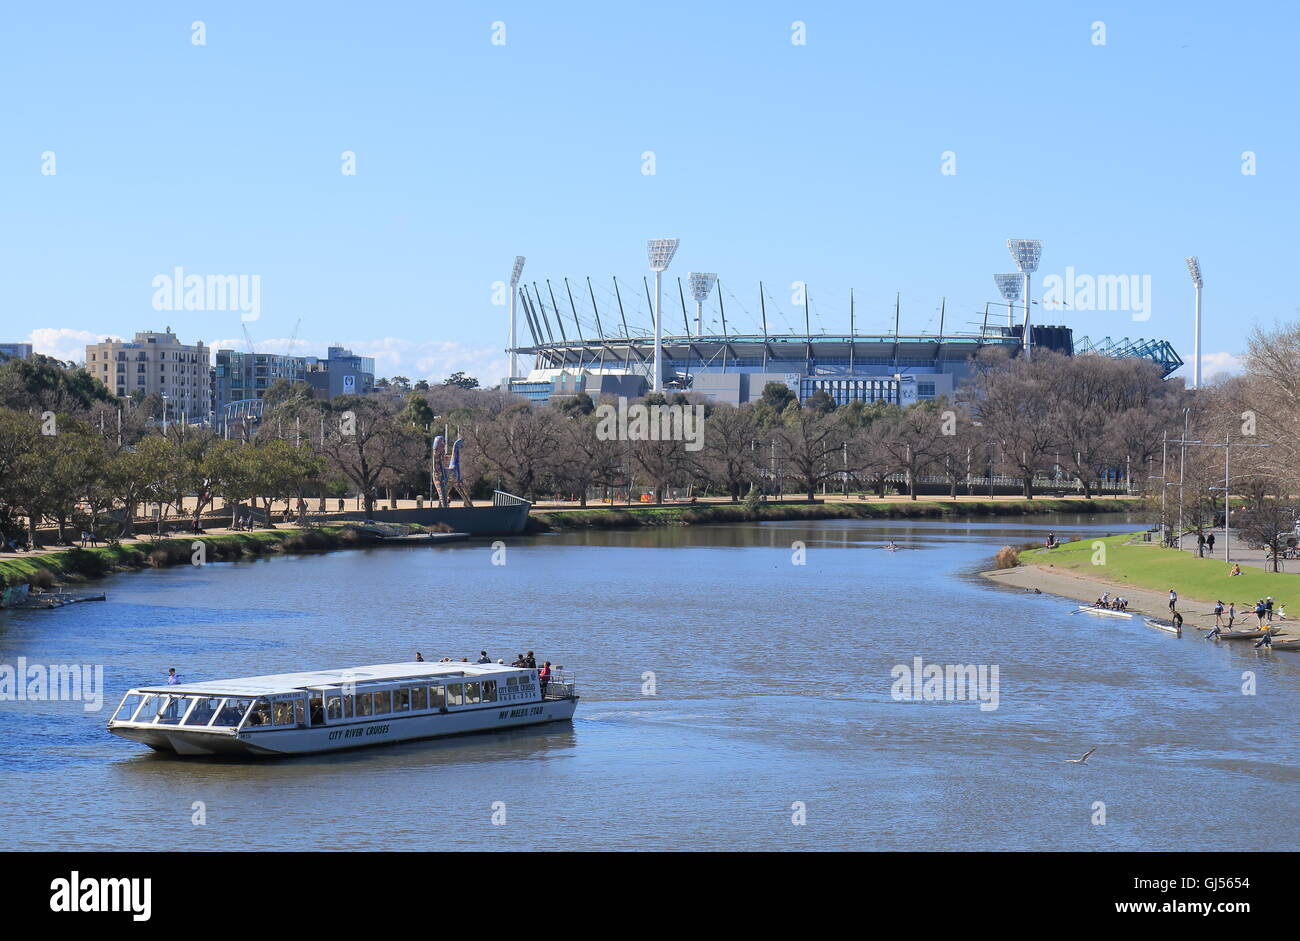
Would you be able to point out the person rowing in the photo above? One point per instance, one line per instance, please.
(891, 546)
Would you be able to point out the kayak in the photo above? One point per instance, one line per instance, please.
(1243, 635)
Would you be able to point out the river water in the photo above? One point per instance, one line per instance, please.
(772, 702)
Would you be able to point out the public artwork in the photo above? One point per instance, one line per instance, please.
(440, 469)
(457, 481)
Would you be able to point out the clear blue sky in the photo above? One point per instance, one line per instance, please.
(774, 161)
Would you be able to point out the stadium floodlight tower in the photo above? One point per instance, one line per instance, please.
(1026, 253)
(514, 291)
(661, 253)
(1194, 267)
(1010, 285)
(701, 285)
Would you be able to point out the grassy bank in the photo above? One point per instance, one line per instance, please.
(1147, 565)
(606, 518)
(48, 569)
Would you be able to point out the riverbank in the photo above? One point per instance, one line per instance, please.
(700, 514)
(42, 570)
(1143, 573)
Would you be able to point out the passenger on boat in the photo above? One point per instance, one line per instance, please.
(172, 678)
(519, 661)
(530, 660)
(483, 657)
(419, 657)
(544, 676)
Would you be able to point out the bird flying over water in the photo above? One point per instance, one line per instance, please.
(1084, 759)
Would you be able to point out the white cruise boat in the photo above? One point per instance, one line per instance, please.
(330, 710)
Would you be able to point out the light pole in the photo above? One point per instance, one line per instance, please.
(1194, 268)
(1227, 481)
(660, 252)
(514, 291)
(1026, 252)
(1010, 285)
(701, 285)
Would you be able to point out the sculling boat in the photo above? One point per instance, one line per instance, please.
(1285, 644)
(1102, 612)
(1242, 635)
(1160, 626)
(331, 710)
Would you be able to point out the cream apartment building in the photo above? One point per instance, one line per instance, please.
(156, 362)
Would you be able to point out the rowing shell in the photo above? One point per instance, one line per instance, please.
(1243, 635)
(1168, 628)
(1102, 612)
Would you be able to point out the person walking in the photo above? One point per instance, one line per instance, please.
(1232, 613)
(1173, 600)
(1268, 608)
(1209, 543)
(1218, 614)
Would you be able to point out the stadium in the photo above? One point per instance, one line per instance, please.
(576, 349)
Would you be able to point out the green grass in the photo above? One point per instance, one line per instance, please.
(609, 518)
(1148, 565)
(77, 563)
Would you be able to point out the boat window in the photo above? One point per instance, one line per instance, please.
(232, 712)
(401, 700)
(170, 709)
(511, 681)
(420, 697)
(489, 690)
(129, 705)
(260, 714)
(203, 711)
(383, 703)
(317, 706)
(334, 707)
(472, 692)
(284, 712)
(437, 697)
(453, 694)
(363, 704)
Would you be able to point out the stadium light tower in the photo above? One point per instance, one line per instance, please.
(661, 253)
(701, 285)
(1026, 253)
(1010, 286)
(514, 292)
(1194, 268)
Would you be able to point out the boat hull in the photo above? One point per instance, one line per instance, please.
(1104, 612)
(385, 730)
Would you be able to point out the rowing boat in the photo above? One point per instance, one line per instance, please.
(1243, 635)
(1102, 612)
(1160, 626)
(1286, 644)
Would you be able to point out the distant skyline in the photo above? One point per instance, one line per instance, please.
(829, 162)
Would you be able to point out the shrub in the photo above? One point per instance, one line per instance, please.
(1008, 557)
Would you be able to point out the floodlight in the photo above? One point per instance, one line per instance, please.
(1194, 269)
(514, 283)
(519, 269)
(1025, 252)
(661, 253)
(1010, 286)
(701, 285)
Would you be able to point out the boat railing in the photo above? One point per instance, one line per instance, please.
(563, 684)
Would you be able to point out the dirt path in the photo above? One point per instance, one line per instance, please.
(1196, 612)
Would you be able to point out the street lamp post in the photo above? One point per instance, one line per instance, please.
(660, 252)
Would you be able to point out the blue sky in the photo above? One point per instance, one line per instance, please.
(775, 161)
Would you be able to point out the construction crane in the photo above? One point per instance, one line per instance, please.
(293, 338)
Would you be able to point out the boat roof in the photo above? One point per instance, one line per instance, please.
(292, 682)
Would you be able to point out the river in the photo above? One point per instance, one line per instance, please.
(771, 703)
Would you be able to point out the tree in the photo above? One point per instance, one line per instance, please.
(729, 455)
(461, 380)
(366, 443)
(520, 447)
(1013, 400)
(812, 443)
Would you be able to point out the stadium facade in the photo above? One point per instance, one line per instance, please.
(733, 368)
